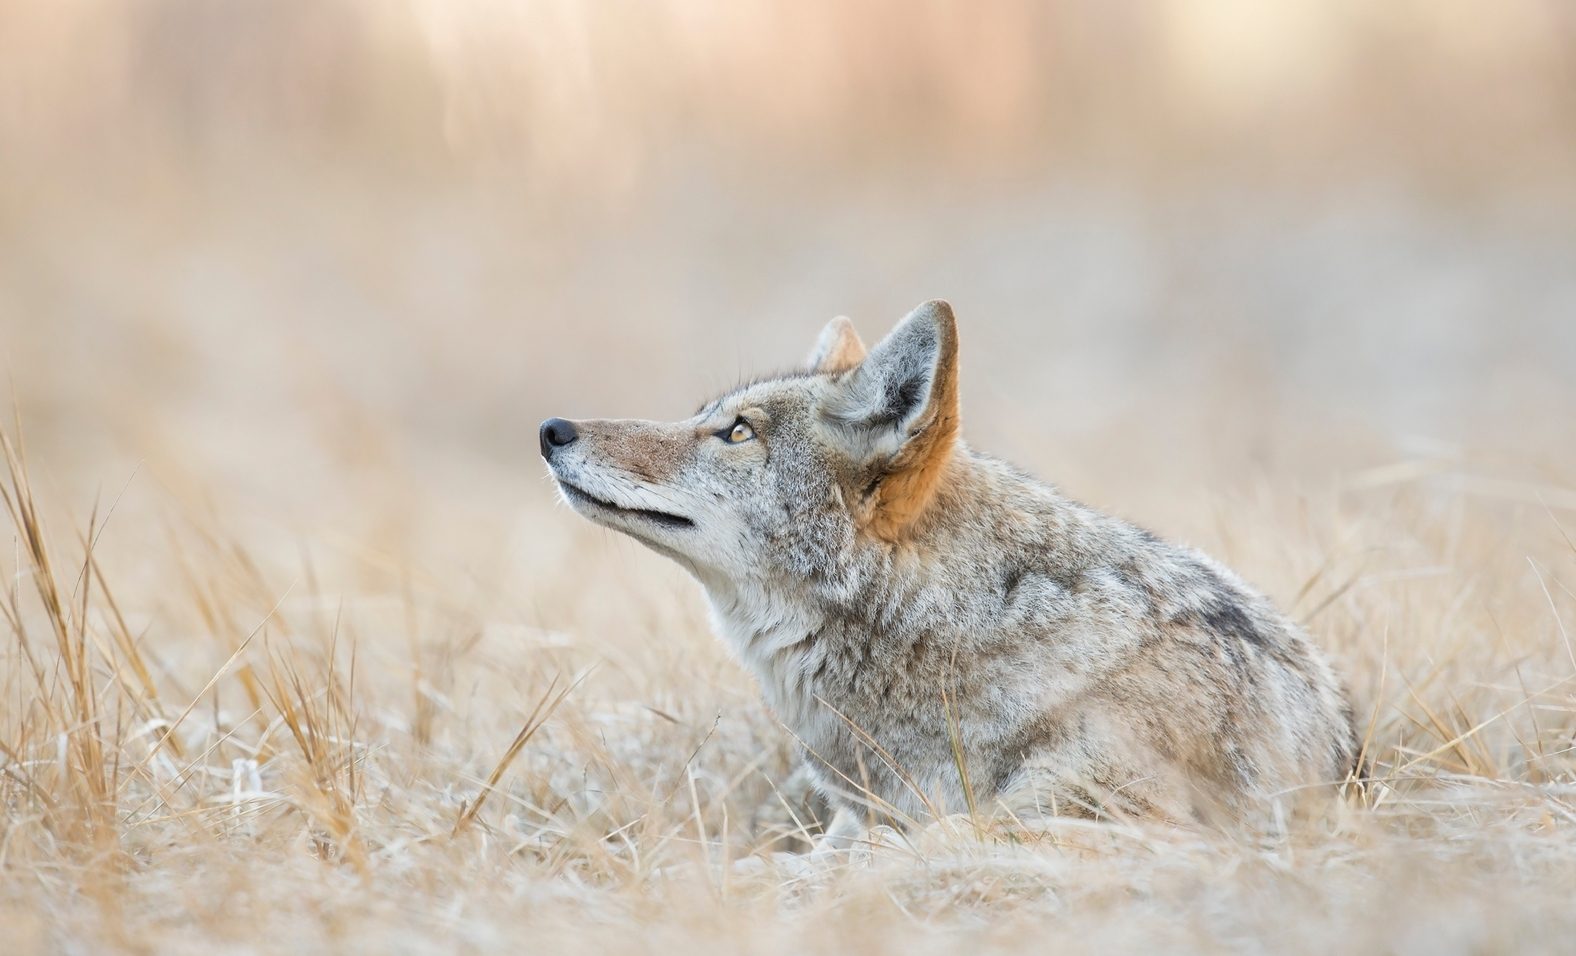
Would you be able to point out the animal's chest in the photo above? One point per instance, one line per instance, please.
(897, 751)
(811, 667)
(888, 711)
(886, 717)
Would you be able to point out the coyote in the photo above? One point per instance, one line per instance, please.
(942, 632)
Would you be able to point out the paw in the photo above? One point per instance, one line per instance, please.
(779, 866)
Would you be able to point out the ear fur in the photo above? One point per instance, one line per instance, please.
(899, 410)
(838, 348)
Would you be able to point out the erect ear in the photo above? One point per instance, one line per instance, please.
(838, 349)
(898, 415)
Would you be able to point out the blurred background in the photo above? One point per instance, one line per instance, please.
(325, 265)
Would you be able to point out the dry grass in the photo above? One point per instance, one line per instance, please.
(252, 759)
(298, 653)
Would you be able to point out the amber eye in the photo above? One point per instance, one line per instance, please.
(740, 432)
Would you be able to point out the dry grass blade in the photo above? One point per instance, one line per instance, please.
(85, 764)
(551, 698)
(960, 758)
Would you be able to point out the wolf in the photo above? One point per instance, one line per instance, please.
(945, 634)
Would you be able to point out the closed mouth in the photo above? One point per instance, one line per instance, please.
(659, 517)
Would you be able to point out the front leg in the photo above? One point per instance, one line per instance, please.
(844, 831)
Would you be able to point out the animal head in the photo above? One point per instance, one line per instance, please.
(785, 475)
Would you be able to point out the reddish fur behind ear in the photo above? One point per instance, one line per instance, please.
(916, 472)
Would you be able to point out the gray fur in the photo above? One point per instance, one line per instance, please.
(1006, 647)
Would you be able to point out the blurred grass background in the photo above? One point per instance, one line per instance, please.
(238, 239)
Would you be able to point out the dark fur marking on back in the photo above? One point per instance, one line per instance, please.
(1227, 618)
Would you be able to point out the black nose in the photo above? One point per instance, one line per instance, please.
(555, 434)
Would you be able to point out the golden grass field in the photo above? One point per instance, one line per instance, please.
(299, 654)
